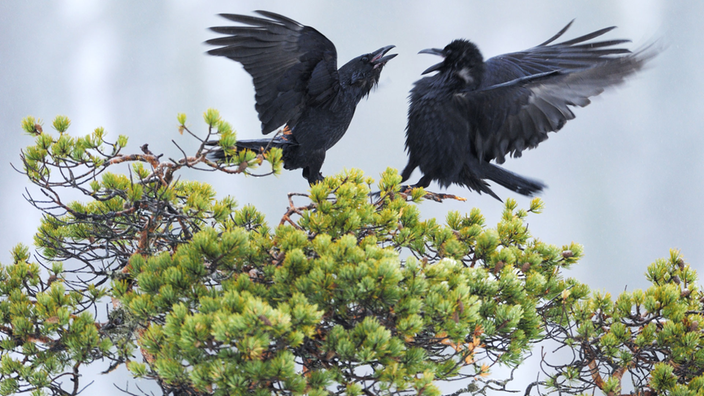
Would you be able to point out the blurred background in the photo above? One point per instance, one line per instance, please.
(625, 177)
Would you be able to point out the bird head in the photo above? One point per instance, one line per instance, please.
(364, 70)
(462, 59)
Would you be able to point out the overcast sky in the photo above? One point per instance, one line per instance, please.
(625, 177)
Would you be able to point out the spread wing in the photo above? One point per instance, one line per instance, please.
(525, 95)
(292, 66)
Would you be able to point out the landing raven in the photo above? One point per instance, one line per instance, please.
(298, 85)
(474, 111)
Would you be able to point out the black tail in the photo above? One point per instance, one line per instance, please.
(508, 179)
(256, 145)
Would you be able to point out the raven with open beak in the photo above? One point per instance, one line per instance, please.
(298, 86)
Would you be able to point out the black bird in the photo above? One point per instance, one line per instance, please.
(298, 85)
(474, 111)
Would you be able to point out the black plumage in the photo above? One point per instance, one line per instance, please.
(472, 112)
(298, 85)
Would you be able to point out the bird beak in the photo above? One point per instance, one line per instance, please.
(432, 51)
(378, 58)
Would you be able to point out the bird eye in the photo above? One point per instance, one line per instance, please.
(365, 59)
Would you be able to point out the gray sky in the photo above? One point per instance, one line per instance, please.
(625, 177)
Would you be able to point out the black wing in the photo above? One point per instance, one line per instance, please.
(293, 66)
(569, 55)
(526, 94)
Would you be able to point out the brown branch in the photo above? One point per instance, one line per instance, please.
(406, 192)
(293, 209)
(151, 159)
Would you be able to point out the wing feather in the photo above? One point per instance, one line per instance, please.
(534, 89)
(292, 65)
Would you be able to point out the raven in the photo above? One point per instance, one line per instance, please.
(474, 111)
(298, 85)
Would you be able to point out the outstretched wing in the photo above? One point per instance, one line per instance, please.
(292, 66)
(569, 55)
(527, 93)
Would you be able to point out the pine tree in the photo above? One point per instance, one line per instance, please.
(350, 293)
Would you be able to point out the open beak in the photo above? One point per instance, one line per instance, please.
(432, 51)
(378, 58)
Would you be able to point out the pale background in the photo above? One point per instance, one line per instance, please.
(625, 177)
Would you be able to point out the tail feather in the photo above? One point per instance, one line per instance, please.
(260, 144)
(256, 145)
